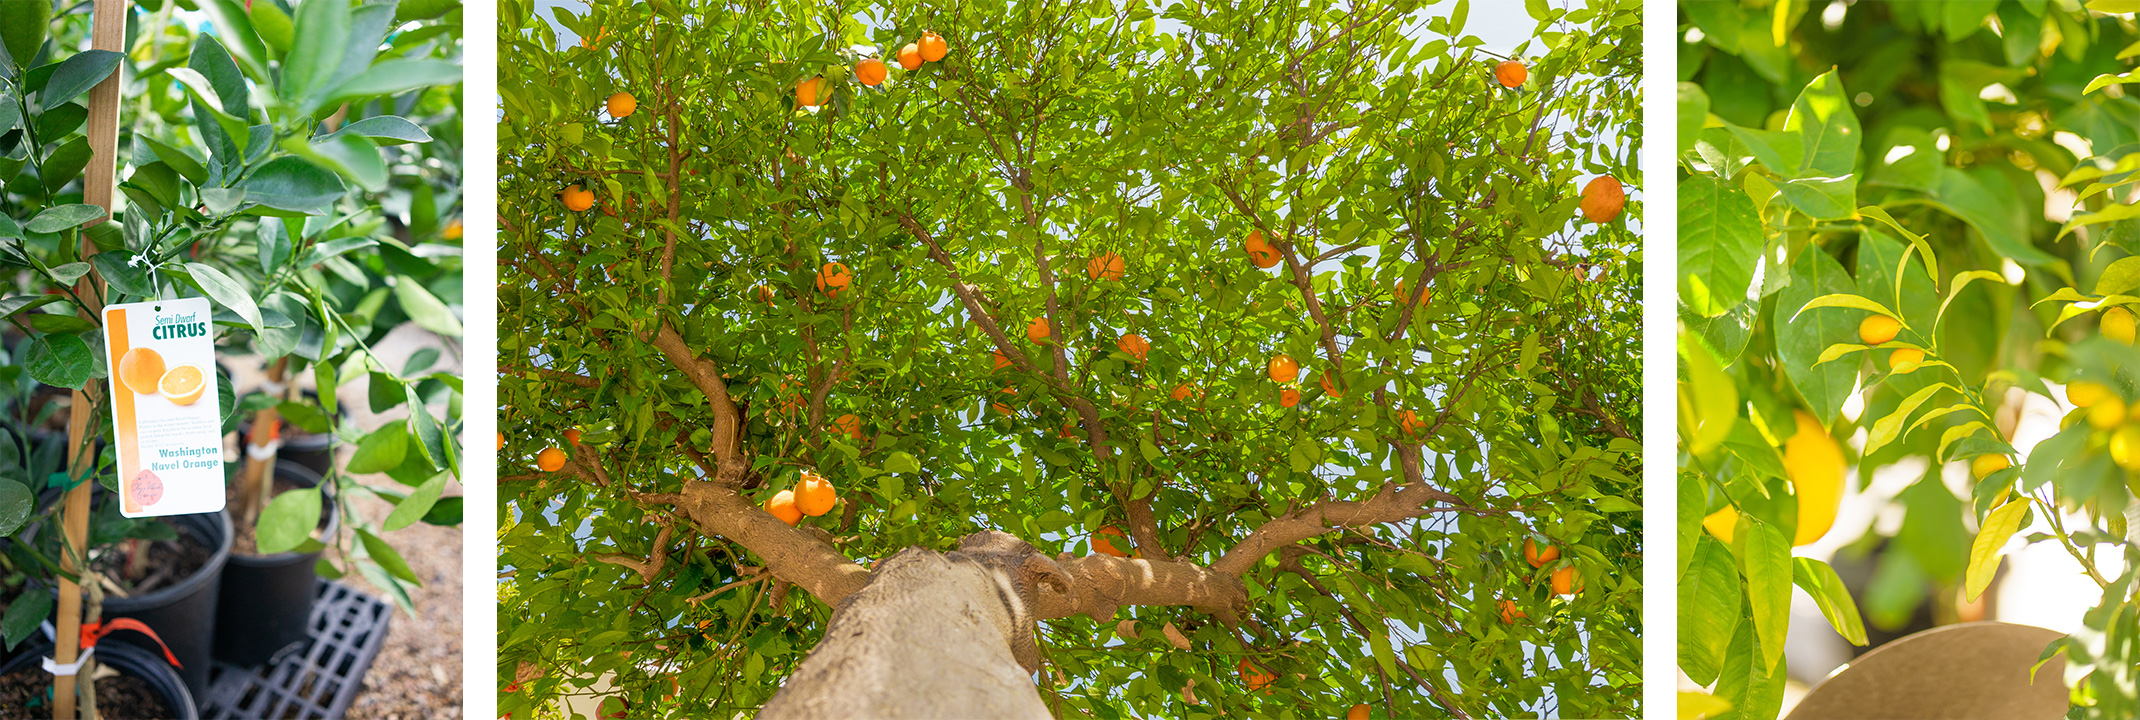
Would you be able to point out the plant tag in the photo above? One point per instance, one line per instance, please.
(167, 421)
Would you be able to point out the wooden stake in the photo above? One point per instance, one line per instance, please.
(107, 33)
(258, 479)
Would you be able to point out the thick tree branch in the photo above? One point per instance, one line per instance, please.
(727, 422)
(1391, 504)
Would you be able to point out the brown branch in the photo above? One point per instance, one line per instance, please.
(1102, 583)
(727, 422)
(651, 567)
(1391, 504)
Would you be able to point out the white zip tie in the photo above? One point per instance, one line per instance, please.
(263, 453)
(273, 388)
(72, 668)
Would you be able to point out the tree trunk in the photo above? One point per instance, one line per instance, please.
(928, 637)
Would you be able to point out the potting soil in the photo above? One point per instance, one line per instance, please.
(164, 563)
(27, 693)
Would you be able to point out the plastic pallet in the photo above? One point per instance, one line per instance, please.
(320, 678)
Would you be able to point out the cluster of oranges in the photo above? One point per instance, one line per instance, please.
(814, 91)
(813, 495)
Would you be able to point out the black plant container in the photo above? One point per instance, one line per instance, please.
(123, 657)
(183, 614)
(267, 599)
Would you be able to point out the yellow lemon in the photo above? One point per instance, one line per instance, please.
(2083, 393)
(2125, 447)
(1985, 465)
(1878, 329)
(2118, 325)
(1814, 463)
(1721, 523)
(2107, 413)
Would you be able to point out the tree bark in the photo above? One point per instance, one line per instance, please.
(928, 637)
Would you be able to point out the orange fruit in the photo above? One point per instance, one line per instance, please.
(1405, 293)
(550, 459)
(1102, 546)
(577, 199)
(850, 425)
(1987, 464)
(1537, 557)
(1001, 407)
(832, 278)
(814, 496)
(1877, 329)
(1038, 330)
(782, 505)
(1358, 712)
(183, 384)
(1182, 391)
(1001, 361)
(1259, 252)
(932, 46)
(2119, 324)
(1254, 677)
(622, 104)
(1603, 199)
(1509, 613)
(1288, 397)
(453, 230)
(1904, 360)
(140, 369)
(765, 294)
(501, 441)
(1283, 369)
(1328, 388)
(1511, 73)
(1566, 581)
(811, 93)
(1105, 265)
(1409, 422)
(910, 56)
(871, 72)
(1135, 345)
(572, 436)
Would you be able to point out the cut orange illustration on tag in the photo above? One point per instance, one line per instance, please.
(169, 442)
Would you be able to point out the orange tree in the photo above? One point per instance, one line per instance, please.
(1039, 284)
(1901, 222)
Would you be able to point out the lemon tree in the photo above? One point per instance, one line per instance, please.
(1036, 279)
(1898, 224)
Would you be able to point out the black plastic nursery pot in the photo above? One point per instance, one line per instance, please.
(267, 599)
(131, 661)
(184, 613)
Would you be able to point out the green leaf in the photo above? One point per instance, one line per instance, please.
(1709, 401)
(76, 75)
(386, 130)
(1827, 129)
(324, 26)
(227, 293)
(386, 556)
(424, 308)
(1767, 564)
(215, 68)
(16, 502)
(391, 77)
(1998, 527)
(1693, 110)
(62, 361)
(1709, 602)
(291, 183)
(380, 451)
(1720, 241)
(24, 614)
(1845, 300)
(61, 217)
(288, 520)
(1820, 581)
(273, 26)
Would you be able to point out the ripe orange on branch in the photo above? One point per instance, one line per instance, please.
(572, 436)
(1134, 345)
(1603, 199)
(1288, 397)
(577, 199)
(1409, 422)
(621, 105)
(550, 459)
(1536, 557)
(932, 46)
(832, 278)
(811, 93)
(1511, 73)
(1102, 546)
(1509, 613)
(1105, 266)
(814, 495)
(871, 72)
(1566, 581)
(2119, 324)
(1283, 369)
(910, 56)
(782, 505)
(1254, 677)
(1038, 330)
(1878, 329)
(1259, 251)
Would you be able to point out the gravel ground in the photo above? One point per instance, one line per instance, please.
(418, 673)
